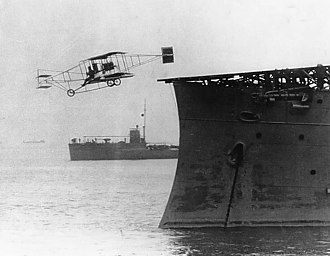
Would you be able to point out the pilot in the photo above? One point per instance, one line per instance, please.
(90, 75)
(111, 65)
(108, 66)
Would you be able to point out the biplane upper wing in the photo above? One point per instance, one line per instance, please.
(105, 56)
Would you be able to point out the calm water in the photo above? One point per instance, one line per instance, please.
(52, 206)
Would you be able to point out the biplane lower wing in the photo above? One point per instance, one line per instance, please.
(105, 78)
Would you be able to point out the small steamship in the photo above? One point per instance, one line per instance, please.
(132, 147)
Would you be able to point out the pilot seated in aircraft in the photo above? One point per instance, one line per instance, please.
(108, 66)
(90, 76)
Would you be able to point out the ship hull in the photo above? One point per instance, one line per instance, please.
(282, 178)
(113, 151)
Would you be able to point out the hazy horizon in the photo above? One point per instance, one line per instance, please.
(208, 38)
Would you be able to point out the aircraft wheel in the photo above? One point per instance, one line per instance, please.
(117, 82)
(70, 92)
(110, 83)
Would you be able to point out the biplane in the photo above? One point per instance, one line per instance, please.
(98, 72)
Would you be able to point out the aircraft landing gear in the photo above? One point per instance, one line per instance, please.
(110, 83)
(117, 82)
(70, 92)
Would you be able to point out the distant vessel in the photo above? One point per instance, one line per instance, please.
(130, 147)
(33, 141)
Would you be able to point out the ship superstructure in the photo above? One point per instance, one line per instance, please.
(254, 149)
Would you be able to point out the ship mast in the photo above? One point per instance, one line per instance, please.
(144, 120)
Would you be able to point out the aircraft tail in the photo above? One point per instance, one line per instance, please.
(167, 55)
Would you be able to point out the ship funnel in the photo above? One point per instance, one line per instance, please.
(134, 135)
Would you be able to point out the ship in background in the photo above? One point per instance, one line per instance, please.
(132, 147)
(254, 150)
(33, 141)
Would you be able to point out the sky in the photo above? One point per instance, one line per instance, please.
(208, 37)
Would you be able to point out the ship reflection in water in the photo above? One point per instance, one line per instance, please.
(252, 241)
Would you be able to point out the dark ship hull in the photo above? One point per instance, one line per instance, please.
(254, 150)
(117, 151)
